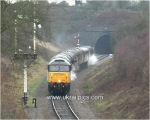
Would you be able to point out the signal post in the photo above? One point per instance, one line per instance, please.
(25, 56)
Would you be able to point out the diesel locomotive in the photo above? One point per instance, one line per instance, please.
(61, 66)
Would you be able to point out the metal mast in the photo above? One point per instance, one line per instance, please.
(76, 37)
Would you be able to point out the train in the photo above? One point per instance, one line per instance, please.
(61, 66)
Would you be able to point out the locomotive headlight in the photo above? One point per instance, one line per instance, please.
(59, 81)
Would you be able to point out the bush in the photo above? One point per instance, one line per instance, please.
(131, 50)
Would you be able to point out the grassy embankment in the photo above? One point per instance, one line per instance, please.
(124, 80)
(37, 73)
(12, 86)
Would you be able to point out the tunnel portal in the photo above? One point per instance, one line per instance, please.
(103, 45)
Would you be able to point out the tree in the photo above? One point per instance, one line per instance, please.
(23, 13)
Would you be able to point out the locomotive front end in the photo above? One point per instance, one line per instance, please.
(59, 77)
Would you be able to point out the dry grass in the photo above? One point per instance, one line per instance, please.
(124, 82)
(121, 98)
(11, 90)
(12, 87)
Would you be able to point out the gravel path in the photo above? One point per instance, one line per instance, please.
(44, 107)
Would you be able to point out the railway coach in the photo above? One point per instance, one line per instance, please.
(61, 66)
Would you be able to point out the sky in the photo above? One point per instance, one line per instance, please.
(71, 2)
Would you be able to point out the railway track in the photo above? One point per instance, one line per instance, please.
(100, 57)
(63, 109)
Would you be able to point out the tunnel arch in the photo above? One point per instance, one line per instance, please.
(103, 45)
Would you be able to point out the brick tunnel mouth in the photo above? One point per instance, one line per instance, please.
(103, 45)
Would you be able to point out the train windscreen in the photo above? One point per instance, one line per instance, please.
(59, 68)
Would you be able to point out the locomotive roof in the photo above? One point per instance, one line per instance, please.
(69, 54)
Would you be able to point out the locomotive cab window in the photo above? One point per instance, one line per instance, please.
(53, 68)
(64, 68)
(59, 68)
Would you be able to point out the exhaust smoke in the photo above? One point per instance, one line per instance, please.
(73, 76)
(92, 60)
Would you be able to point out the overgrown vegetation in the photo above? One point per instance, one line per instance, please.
(22, 14)
(12, 71)
(59, 22)
(12, 87)
(124, 81)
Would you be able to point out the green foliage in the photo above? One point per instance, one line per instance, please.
(23, 13)
(37, 75)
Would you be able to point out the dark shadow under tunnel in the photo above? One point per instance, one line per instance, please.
(103, 45)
